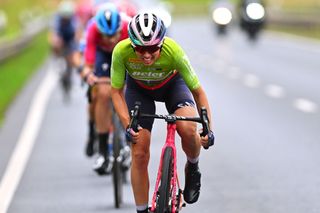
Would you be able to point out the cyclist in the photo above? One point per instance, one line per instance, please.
(157, 69)
(62, 37)
(63, 40)
(108, 28)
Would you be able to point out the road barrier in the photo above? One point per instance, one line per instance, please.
(33, 28)
(294, 19)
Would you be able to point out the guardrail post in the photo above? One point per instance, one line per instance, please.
(3, 21)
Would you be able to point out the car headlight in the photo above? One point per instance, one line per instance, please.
(255, 11)
(222, 16)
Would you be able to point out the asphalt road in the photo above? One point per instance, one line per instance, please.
(265, 103)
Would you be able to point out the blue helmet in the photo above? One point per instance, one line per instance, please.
(108, 20)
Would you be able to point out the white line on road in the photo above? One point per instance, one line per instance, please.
(251, 81)
(274, 91)
(22, 151)
(234, 73)
(305, 105)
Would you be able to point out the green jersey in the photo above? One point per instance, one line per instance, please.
(172, 60)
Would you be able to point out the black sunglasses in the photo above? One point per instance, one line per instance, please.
(149, 49)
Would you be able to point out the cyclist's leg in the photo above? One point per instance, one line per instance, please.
(91, 123)
(139, 168)
(140, 150)
(103, 113)
(181, 103)
(188, 132)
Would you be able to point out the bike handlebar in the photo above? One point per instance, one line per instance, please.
(203, 119)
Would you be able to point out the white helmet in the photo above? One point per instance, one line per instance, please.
(146, 29)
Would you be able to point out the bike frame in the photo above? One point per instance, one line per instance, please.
(170, 142)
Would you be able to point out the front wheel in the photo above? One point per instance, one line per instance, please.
(117, 166)
(164, 191)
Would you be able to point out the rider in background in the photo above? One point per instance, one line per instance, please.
(84, 12)
(155, 68)
(85, 15)
(126, 9)
(107, 29)
(62, 37)
(63, 42)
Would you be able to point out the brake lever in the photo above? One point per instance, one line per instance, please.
(134, 118)
(204, 122)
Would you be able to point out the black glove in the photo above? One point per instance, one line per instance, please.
(210, 139)
(128, 134)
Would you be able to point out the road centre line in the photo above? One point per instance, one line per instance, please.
(271, 90)
(305, 105)
(251, 81)
(274, 91)
(27, 138)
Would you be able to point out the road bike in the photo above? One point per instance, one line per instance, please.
(120, 155)
(122, 159)
(65, 69)
(167, 196)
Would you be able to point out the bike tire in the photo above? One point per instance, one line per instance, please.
(117, 173)
(162, 205)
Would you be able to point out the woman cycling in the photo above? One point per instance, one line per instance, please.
(155, 68)
(103, 33)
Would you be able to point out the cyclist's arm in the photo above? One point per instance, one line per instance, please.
(89, 52)
(118, 72)
(120, 106)
(201, 100)
(91, 45)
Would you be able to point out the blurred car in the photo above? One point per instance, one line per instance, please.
(252, 17)
(221, 12)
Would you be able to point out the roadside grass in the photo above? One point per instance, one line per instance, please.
(20, 11)
(16, 71)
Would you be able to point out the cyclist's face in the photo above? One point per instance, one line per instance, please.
(112, 40)
(148, 57)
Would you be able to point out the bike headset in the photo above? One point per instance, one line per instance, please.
(146, 29)
(108, 20)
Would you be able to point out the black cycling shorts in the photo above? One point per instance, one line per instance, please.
(175, 94)
(102, 63)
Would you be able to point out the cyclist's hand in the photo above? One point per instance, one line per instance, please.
(131, 135)
(207, 140)
(91, 79)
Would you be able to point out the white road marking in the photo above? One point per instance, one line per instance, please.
(23, 149)
(218, 66)
(251, 81)
(234, 73)
(305, 105)
(274, 91)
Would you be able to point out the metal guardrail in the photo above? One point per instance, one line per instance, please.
(309, 19)
(33, 28)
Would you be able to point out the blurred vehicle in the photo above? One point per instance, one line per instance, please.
(221, 15)
(252, 17)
